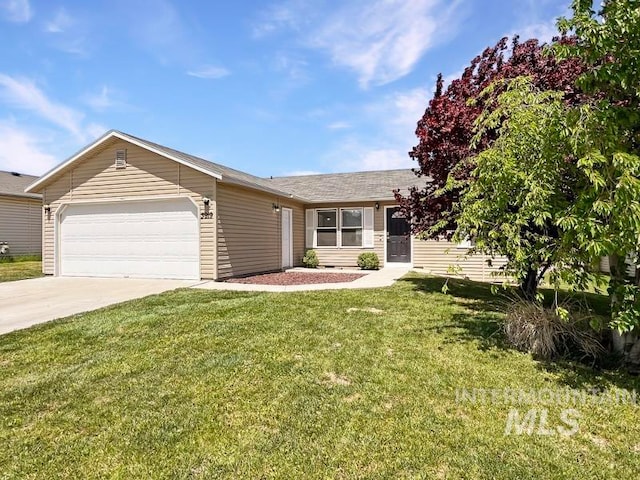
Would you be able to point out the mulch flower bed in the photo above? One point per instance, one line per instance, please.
(298, 278)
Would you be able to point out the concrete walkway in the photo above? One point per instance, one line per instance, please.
(29, 302)
(379, 278)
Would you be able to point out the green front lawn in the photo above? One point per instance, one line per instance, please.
(20, 270)
(341, 384)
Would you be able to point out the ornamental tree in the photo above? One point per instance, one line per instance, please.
(522, 184)
(605, 217)
(446, 130)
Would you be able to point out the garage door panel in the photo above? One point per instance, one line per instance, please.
(156, 239)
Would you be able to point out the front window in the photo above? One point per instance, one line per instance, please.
(351, 227)
(327, 228)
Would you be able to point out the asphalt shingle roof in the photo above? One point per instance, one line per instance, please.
(12, 183)
(331, 187)
(344, 187)
(321, 188)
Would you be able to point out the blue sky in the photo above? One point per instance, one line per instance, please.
(271, 88)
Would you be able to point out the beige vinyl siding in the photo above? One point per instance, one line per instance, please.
(298, 231)
(348, 256)
(605, 268)
(21, 224)
(249, 231)
(432, 256)
(147, 175)
(438, 256)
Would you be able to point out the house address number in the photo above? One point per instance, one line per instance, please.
(206, 215)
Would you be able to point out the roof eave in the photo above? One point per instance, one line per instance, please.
(351, 200)
(255, 186)
(33, 196)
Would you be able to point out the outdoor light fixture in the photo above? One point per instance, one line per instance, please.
(47, 209)
(377, 206)
(276, 207)
(206, 201)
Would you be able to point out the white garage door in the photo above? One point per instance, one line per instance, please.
(155, 239)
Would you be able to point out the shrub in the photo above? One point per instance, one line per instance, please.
(368, 261)
(547, 334)
(310, 259)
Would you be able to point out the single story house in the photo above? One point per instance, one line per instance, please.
(20, 215)
(125, 206)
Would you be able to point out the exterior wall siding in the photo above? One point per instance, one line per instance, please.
(348, 256)
(432, 256)
(441, 257)
(147, 175)
(21, 224)
(249, 231)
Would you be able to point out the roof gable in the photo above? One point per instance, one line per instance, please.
(75, 158)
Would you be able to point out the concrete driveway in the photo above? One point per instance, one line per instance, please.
(28, 302)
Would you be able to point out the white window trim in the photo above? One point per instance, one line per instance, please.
(338, 228)
(465, 244)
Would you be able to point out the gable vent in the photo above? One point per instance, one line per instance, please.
(121, 159)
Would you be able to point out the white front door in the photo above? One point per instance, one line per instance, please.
(146, 239)
(287, 238)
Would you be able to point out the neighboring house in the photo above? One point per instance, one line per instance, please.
(20, 215)
(124, 206)
(631, 267)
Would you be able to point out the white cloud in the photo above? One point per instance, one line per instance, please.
(100, 101)
(537, 21)
(301, 173)
(396, 116)
(18, 11)
(69, 34)
(95, 130)
(24, 94)
(60, 23)
(23, 151)
(354, 155)
(380, 40)
(544, 31)
(294, 67)
(339, 125)
(390, 124)
(276, 17)
(209, 72)
(384, 160)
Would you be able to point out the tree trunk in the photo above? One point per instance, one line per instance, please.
(634, 358)
(529, 285)
(634, 353)
(618, 271)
